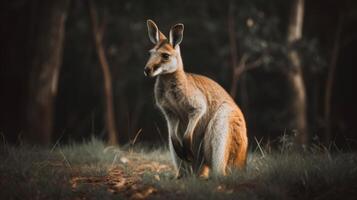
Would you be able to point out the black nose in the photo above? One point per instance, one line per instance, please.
(147, 71)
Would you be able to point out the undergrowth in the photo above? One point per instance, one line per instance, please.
(28, 172)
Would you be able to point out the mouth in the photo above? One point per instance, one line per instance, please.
(158, 71)
(152, 74)
(148, 74)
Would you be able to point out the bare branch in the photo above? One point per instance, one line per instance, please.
(237, 68)
(255, 64)
(233, 49)
(232, 36)
(243, 66)
(240, 68)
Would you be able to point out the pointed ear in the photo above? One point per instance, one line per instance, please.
(154, 34)
(153, 31)
(176, 34)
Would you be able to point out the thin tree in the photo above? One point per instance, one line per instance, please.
(330, 79)
(241, 66)
(45, 56)
(295, 76)
(108, 91)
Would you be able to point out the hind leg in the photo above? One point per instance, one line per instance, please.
(220, 152)
(239, 141)
(217, 140)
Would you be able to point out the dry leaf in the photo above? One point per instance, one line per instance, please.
(144, 193)
(157, 177)
(124, 160)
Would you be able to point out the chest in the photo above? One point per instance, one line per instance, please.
(169, 93)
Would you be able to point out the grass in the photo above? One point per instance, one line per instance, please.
(93, 171)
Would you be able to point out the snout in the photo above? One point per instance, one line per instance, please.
(147, 71)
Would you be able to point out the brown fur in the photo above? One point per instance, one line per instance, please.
(207, 130)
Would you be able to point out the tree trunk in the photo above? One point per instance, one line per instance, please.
(233, 50)
(295, 76)
(47, 37)
(330, 80)
(109, 110)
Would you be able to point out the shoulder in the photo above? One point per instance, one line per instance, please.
(201, 80)
(210, 88)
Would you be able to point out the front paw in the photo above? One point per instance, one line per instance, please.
(179, 150)
(178, 176)
(187, 147)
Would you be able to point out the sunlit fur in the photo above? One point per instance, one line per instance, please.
(207, 130)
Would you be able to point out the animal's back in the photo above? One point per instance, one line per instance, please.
(237, 140)
(214, 93)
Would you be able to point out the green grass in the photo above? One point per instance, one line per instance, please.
(40, 173)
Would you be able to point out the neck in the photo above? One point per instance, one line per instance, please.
(177, 76)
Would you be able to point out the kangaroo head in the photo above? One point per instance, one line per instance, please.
(165, 57)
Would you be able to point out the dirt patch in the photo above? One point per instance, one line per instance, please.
(124, 179)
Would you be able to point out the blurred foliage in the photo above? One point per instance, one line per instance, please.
(260, 33)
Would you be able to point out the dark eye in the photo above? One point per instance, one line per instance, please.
(165, 56)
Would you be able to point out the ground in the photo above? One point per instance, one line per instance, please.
(93, 170)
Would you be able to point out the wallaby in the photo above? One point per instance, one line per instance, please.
(207, 130)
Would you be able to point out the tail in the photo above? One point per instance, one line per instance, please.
(238, 141)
